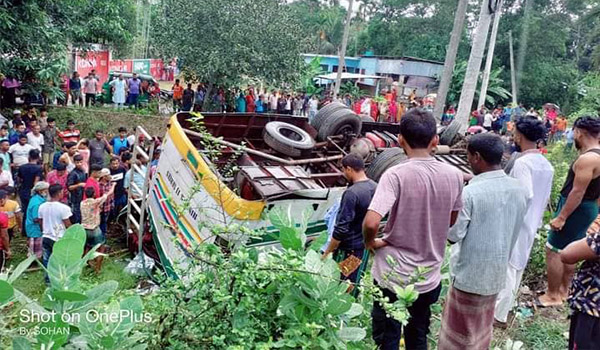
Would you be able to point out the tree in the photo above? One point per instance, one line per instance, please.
(36, 35)
(226, 43)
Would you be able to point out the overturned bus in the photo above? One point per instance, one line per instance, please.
(223, 169)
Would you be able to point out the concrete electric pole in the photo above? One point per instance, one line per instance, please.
(459, 25)
(485, 81)
(342, 62)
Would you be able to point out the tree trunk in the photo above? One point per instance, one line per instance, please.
(473, 67)
(442, 94)
(490, 55)
(342, 62)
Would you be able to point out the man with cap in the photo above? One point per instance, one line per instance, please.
(33, 227)
(13, 211)
(59, 176)
(90, 220)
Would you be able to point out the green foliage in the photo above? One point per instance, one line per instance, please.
(311, 71)
(496, 92)
(78, 316)
(288, 299)
(41, 31)
(226, 41)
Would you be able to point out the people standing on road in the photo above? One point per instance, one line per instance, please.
(71, 134)
(281, 102)
(288, 105)
(90, 88)
(188, 98)
(250, 104)
(177, 95)
(298, 104)
(535, 173)
(577, 209)
(33, 228)
(134, 89)
(76, 182)
(273, 102)
(482, 238)
(584, 292)
(118, 86)
(261, 104)
(75, 89)
(240, 103)
(313, 106)
(59, 176)
(347, 238)
(98, 147)
(199, 98)
(54, 219)
(421, 197)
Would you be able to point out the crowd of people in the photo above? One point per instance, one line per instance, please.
(491, 224)
(51, 178)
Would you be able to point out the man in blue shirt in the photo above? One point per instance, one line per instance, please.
(33, 227)
(133, 86)
(120, 142)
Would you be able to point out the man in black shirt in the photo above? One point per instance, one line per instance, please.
(117, 172)
(347, 238)
(29, 174)
(76, 183)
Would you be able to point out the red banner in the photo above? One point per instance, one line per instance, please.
(157, 69)
(97, 60)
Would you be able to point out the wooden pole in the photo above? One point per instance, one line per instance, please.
(513, 75)
(342, 54)
(459, 24)
(485, 81)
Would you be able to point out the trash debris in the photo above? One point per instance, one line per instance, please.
(524, 312)
(146, 287)
(136, 265)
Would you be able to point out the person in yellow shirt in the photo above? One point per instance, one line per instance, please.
(12, 209)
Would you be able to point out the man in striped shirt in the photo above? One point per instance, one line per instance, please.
(70, 134)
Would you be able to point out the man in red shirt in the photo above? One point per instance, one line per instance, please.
(71, 134)
(5, 253)
(92, 181)
(59, 176)
(250, 104)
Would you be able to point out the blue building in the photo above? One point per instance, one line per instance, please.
(408, 73)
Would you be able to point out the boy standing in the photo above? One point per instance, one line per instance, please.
(91, 208)
(33, 227)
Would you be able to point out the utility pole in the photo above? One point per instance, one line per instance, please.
(342, 61)
(473, 67)
(513, 75)
(442, 93)
(485, 81)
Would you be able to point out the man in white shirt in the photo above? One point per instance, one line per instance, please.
(35, 138)
(535, 173)
(20, 151)
(273, 102)
(54, 219)
(488, 121)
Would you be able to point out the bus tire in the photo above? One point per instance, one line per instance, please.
(383, 161)
(288, 139)
(325, 112)
(341, 122)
